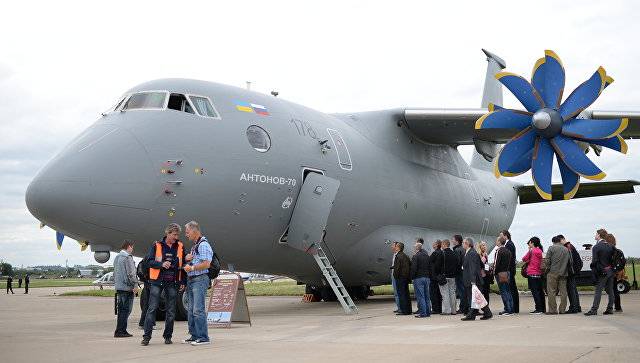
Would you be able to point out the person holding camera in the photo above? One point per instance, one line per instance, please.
(199, 261)
(165, 259)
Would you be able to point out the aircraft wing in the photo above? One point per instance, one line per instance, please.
(528, 193)
(457, 126)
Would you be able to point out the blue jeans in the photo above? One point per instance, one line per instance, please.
(170, 293)
(395, 292)
(505, 293)
(125, 303)
(421, 289)
(196, 313)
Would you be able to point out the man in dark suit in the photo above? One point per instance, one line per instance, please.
(512, 271)
(472, 275)
(434, 288)
(457, 248)
(603, 273)
(401, 273)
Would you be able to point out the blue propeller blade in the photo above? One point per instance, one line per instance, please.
(594, 129)
(541, 167)
(504, 119)
(575, 158)
(584, 95)
(59, 239)
(512, 151)
(570, 180)
(616, 143)
(553, 88)
(520, 166)
(522, 89)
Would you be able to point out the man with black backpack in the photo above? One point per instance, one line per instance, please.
(143, 276)
(574, 269)
(199, 261)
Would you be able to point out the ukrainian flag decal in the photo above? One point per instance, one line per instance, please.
(252, 108)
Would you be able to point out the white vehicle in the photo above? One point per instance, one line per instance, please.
(106, 280)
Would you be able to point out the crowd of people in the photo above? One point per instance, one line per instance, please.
(456, 279)
(166, 270)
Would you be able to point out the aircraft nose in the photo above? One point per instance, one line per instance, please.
(100, 187)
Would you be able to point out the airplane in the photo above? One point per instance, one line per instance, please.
(276, 185)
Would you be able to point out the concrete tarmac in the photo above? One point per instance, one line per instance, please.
(40, 327)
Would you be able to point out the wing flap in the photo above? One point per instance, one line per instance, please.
(528, 193)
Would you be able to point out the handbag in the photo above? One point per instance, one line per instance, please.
(523, 272)
(441, 278)
(503, 277)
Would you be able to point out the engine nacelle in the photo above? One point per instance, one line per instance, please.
(101, 256)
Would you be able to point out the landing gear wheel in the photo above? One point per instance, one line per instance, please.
(623, 286)
(359, 292)
(327, 294)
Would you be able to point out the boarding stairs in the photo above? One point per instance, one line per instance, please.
(334, 281)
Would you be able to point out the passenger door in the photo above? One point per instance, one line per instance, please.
(311, 212)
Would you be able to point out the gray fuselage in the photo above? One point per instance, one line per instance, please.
(120, 179)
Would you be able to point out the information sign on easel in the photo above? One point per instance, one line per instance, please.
(228, 301)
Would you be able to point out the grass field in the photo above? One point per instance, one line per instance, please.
(276, 288)
(50, 283)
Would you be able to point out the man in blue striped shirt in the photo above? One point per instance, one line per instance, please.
(197, 270)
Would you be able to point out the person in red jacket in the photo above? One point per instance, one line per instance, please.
(534, 274)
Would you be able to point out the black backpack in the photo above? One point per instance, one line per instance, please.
(618, 261)
(214, 267)
(142, 271)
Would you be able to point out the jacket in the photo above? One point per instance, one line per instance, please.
(459, 250)
(602, 253)
(450, 265)
(512, 248)
(124, 272)
(503, 260)
(471, 269)
(150, 261)
(534, 258)
(434, 257)
(420, 265)
(402, 266)
(576, 260)
(558, 260)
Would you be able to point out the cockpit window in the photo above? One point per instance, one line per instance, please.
(179, 102)
(203, 106)
(146, 100)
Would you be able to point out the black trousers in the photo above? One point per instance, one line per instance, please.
(485, 288)
(9, 287)
(537, 291)
(572, 292)
(514, 292)
(125, 303)
(616, 295)
(403, 295)
(436, 297)
(26, 287)
(144, 304)
(474, 312)
(465, 299)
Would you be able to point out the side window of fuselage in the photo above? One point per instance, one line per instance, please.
(179, 102)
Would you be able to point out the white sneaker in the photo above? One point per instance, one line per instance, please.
(507, 314)
(189, 340)
(200, 342)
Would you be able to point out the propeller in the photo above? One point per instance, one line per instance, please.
(551, 127)
(59, 239)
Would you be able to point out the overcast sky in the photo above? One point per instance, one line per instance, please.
(62, 63)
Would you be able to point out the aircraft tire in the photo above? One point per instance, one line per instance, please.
(623, 286)
(327, 294)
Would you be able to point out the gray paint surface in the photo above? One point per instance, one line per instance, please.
(108, 184)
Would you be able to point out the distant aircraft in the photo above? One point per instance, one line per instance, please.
(277, 185)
